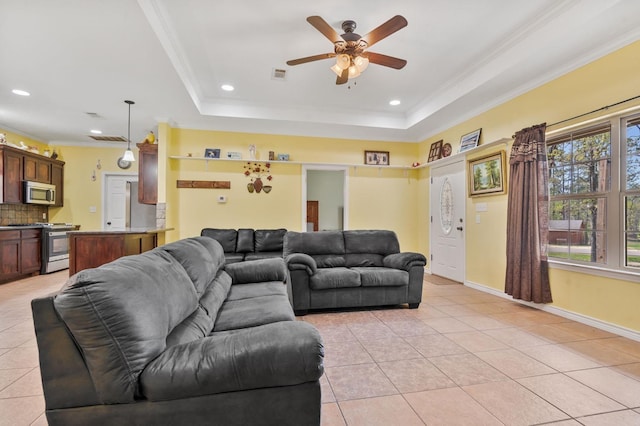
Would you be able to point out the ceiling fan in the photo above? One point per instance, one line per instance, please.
(350, 49)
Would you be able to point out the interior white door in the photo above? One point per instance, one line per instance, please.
(447, 207)
(115, 204)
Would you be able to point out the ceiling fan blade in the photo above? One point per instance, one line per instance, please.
(311, 58)
(387, 61)
(344, 77)
(391, 26)
(326, 29)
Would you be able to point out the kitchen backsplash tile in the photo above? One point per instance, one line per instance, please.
(22, 213)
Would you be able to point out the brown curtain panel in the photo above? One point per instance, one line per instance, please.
(527, 276)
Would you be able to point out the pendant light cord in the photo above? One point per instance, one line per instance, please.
(129, 125)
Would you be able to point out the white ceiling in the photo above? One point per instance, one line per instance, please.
(170, 57)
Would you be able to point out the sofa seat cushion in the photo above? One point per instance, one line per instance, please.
(246, 308)
(381, 277)
(278, 354)
(331, 278)
(262, 255)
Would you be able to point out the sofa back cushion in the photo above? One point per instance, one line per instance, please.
(325, 247)
(369, 247)
(245, 240)
(269, 240)
(226, 237)
(120, 315)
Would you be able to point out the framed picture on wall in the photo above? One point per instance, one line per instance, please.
(212, 153)
(435, 152)
(378, 158)
(470, 140)
(486, 175)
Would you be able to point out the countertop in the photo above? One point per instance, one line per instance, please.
(150, 230)
(9, 228)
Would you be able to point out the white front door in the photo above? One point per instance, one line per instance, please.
(447, 207)
(115, 201)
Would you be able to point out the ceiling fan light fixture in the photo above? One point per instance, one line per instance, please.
(353, 71)
(361, 63)
(343, 61)
(335, 68)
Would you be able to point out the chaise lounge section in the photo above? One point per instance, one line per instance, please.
(173, 336)
(343, 269)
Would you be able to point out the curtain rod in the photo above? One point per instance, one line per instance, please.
(595, 110)
(590, 112)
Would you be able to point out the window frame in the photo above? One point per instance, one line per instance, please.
(616, 245)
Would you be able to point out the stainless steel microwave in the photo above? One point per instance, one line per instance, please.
(39, 193)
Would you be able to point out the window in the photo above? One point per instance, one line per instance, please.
(594, 186)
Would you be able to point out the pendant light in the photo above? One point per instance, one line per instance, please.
(128, 154)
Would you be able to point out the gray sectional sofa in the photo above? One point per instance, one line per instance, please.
(174, 337)
(246, 243)
(340, 269)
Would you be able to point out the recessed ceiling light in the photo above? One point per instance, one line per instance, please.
(21, 92)
(227, 87)
(96, 132)
(394, 102)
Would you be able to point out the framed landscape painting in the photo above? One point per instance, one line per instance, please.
(486, 175)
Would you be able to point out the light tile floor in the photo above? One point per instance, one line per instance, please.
(463, 358)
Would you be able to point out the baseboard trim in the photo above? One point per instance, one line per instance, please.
(574, 316)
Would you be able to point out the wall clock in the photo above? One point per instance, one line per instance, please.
(446, 150)
(446, 206)
(123, 164)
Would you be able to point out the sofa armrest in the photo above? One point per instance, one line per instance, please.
(404, 261)
(301, 261)
(277, 354)
(257, 271)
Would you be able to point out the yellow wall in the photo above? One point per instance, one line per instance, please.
(603, 82)
(80, 191)
(16, 138)
(378, 198)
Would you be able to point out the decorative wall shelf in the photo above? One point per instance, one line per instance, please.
(304, 163)
(453, 157)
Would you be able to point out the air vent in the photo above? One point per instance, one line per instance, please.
(107, 138)
(279, 74)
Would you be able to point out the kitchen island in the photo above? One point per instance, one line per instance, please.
(90, 249)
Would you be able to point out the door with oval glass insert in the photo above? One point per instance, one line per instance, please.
(447, 212)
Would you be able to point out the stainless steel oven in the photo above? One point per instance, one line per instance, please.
(55, 246)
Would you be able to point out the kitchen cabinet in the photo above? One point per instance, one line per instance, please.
(20, 253)
(11, 173)
(37, 168)
(148, 173)
(57, 179)
(17, 165)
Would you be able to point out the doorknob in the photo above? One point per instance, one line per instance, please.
(459, 228)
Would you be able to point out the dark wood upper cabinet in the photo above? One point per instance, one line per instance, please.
(11, 172)
(37, 168)
(148, 173)
(17, 165)
(57, 179)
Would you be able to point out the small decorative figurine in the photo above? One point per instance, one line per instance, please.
(252, 152)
